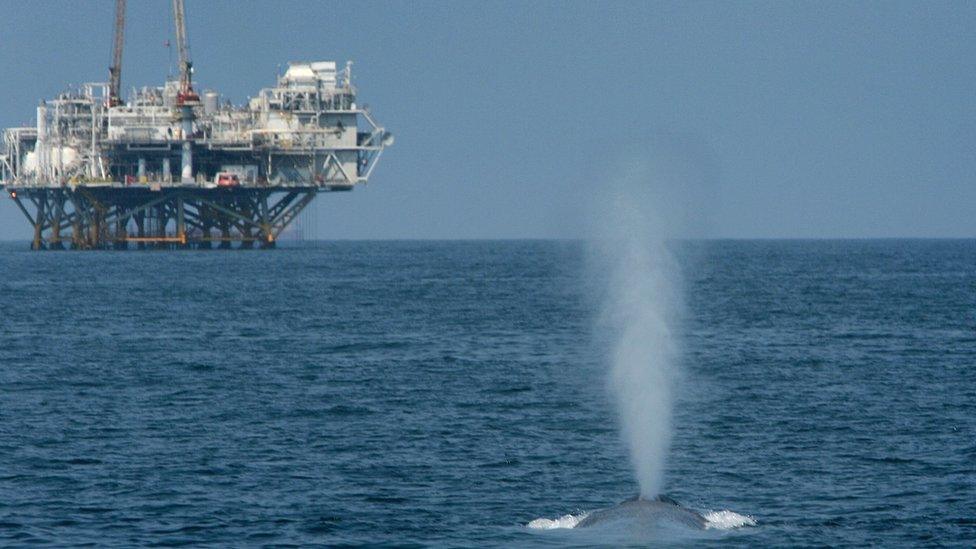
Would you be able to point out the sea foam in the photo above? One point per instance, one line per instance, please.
(565, 521)
(727, 520)
(715, 520)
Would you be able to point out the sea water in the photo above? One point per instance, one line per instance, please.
(450, 394)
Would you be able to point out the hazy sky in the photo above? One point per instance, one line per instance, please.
(813, 119)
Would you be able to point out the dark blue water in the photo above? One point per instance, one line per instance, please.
(448, 394)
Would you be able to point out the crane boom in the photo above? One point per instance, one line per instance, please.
(115, 71)
(186, 66)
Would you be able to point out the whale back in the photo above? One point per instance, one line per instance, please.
(637, 510)
(667, 499)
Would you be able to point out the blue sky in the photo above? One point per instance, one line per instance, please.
(813, 119)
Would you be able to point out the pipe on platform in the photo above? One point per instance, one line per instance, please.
(41, 147)
(187, 161)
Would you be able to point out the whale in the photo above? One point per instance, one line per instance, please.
(660, 510)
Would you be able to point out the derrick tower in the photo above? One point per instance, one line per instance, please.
(168, 167)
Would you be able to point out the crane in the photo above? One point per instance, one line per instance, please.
(115, 71)
(186, 98)
(186, 94)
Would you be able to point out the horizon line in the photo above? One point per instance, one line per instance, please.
(290, 242)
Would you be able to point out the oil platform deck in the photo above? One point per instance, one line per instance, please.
(168, 168)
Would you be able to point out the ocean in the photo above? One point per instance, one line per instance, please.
(450, 394)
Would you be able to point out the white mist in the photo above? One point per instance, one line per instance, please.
(641, 298)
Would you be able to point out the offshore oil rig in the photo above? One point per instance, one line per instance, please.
(167, 167)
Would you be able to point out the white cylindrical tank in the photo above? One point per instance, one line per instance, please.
(40, 148)
(210, 102)
(41, 123)
(29, 165)
(66, 157)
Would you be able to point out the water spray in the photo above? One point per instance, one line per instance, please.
(641, 305)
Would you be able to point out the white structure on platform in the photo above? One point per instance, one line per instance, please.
(306, 131)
